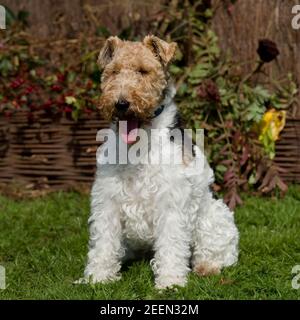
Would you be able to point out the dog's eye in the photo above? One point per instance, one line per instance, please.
(115, 72)
(143, 72)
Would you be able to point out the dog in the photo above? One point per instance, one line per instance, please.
(168, 209)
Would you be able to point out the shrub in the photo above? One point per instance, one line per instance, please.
(212, 92)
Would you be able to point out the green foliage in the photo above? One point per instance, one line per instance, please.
(212, 93)
(29, 82)
(29, 85)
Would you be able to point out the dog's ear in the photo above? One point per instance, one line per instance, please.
(163, 50)
(107, 52)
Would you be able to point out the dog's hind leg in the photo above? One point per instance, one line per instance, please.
(215, 238)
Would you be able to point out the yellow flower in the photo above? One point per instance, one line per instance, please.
(269, 128)
(70, 100)
(272, 124)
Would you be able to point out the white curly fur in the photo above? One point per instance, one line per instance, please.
(169, 209)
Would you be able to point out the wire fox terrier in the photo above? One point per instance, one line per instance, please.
(167, 208)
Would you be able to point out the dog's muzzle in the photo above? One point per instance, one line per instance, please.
(122, 105)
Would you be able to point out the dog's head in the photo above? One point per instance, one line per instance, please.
(134, 77)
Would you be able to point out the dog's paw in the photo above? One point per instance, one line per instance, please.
(169, 282)
(82, 281)
(98, 278)
(205, 269)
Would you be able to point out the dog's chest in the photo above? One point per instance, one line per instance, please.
(139, 188)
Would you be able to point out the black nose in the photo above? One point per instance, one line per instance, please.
(122, 105)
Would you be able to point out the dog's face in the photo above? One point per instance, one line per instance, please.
(134, 77)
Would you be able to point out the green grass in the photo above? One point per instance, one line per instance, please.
(43, 246)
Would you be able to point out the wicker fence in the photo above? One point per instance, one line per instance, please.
(58, 153)
(288, 150)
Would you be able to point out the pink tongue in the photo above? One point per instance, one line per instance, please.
(129, 136)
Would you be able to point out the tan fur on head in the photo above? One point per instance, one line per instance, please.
(163, 50)
(136, 72)
(107, 52)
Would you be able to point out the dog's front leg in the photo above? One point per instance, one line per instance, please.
(105, 245)
(172, 248)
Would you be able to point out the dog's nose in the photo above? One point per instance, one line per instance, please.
(122, 105)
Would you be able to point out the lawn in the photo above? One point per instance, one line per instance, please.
(43, 246)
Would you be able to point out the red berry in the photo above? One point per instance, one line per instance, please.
(56, 88)
(29, 90)
(61, 77)
(7, 114)
(88, 111)
(16, 83)
(68, 110)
